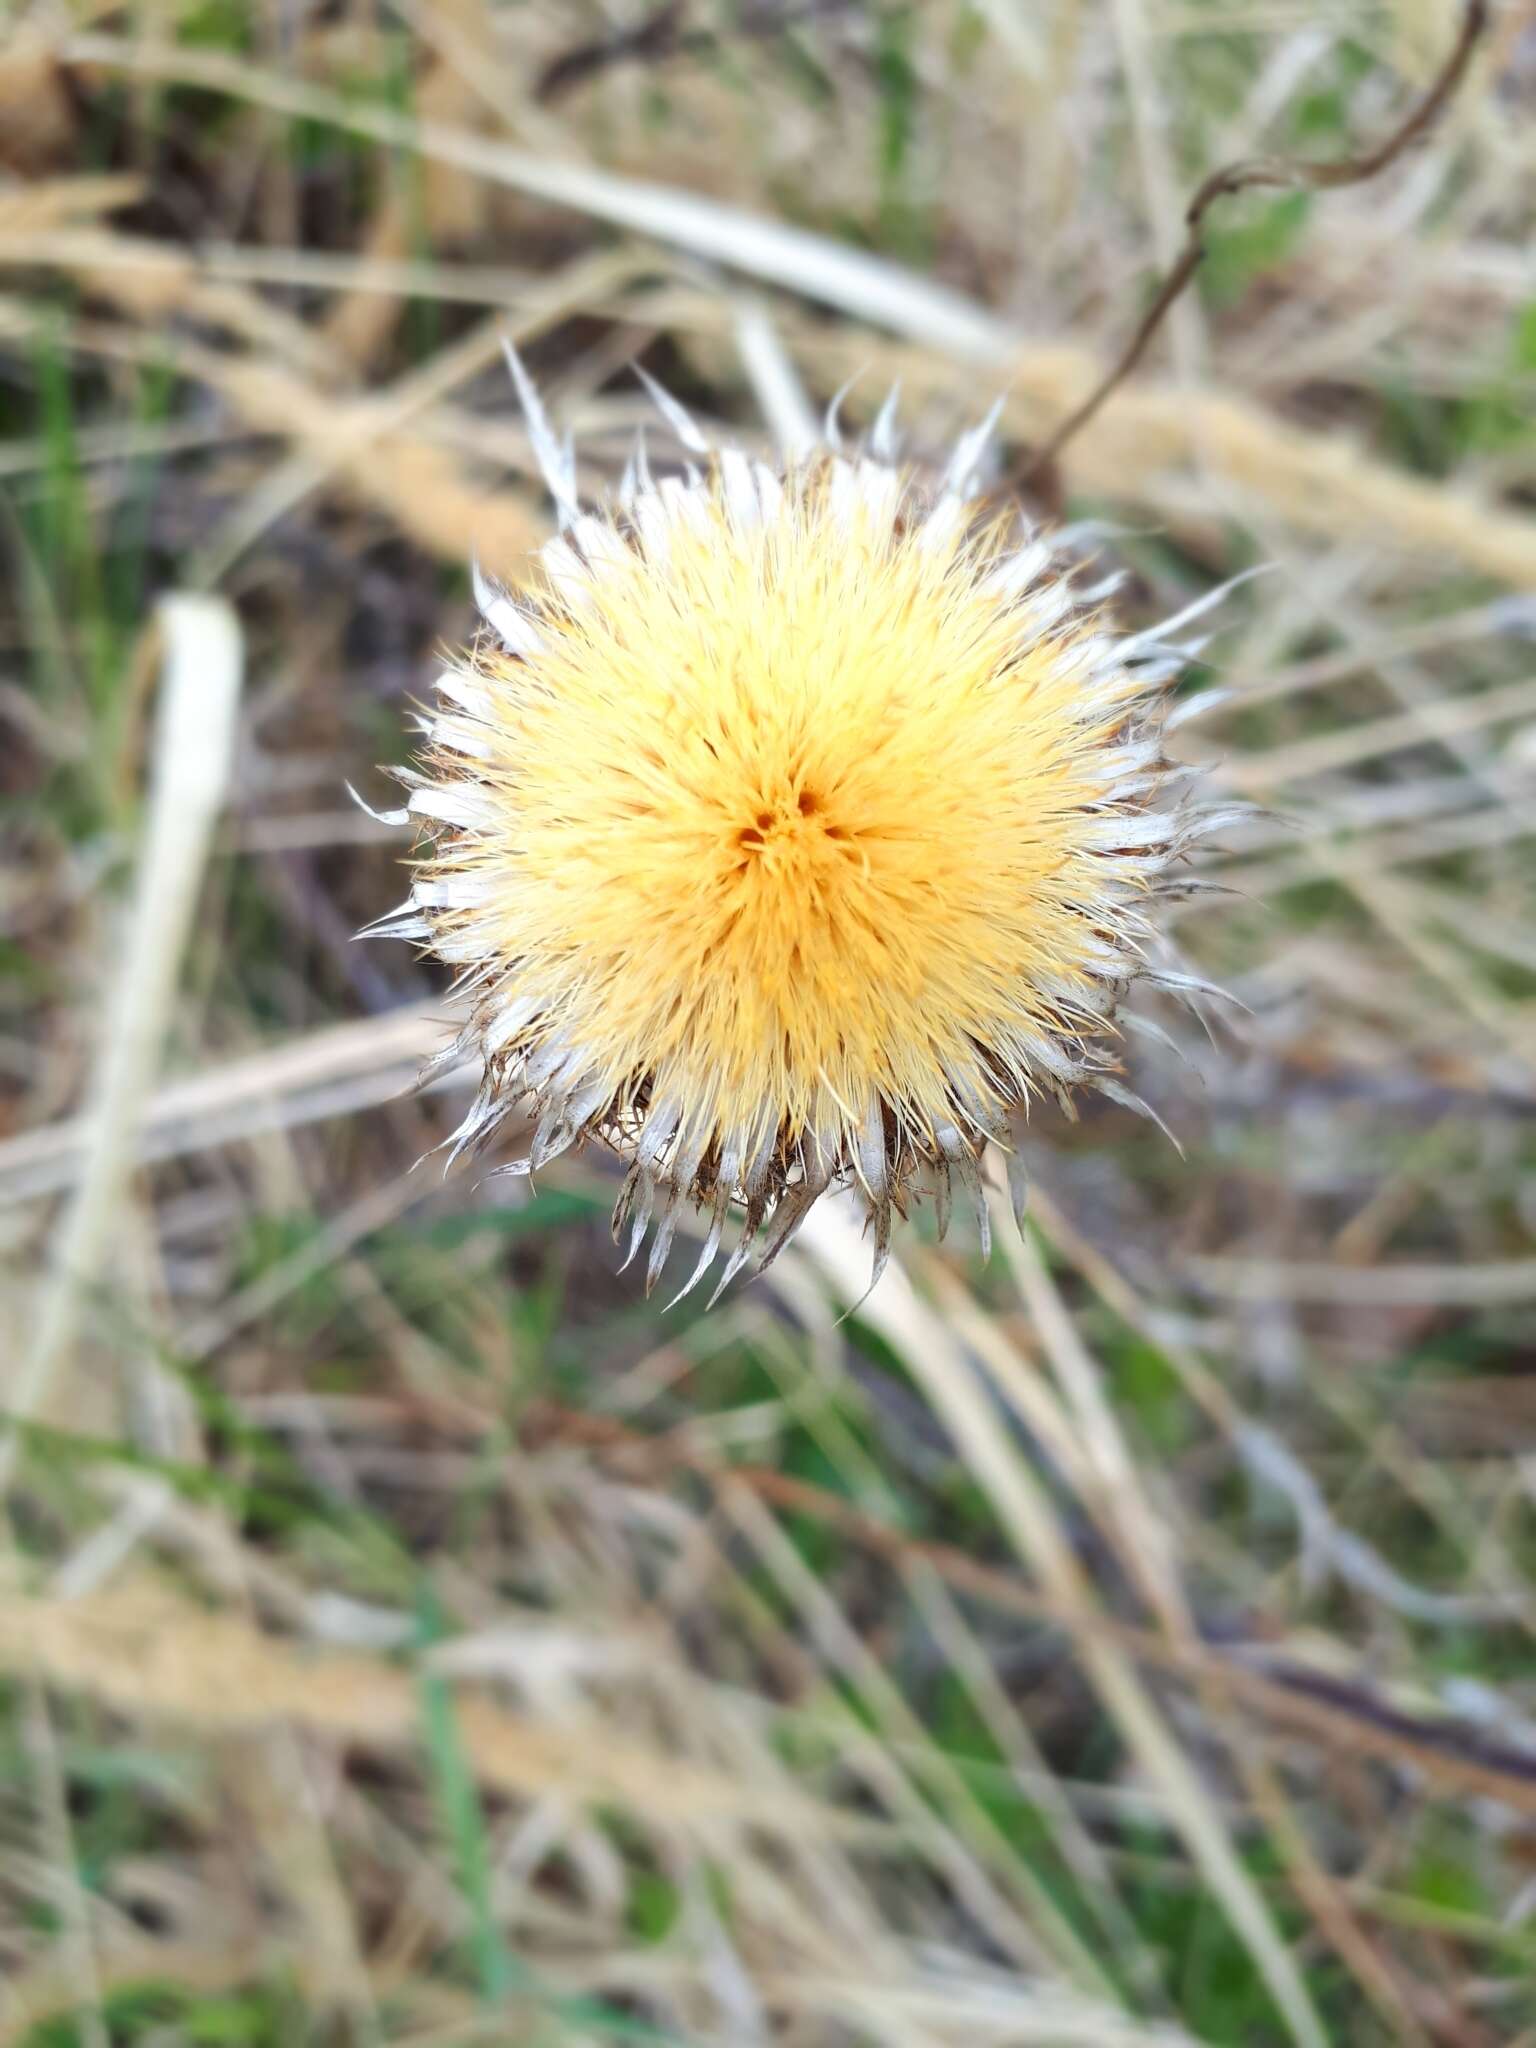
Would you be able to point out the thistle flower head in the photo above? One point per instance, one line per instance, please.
(791, 829)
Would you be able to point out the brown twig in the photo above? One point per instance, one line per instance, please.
(662, 35)
(659, 35)
(1288, 173)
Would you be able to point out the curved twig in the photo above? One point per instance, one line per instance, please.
(1251, 172)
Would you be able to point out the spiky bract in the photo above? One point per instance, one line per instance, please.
(791, 830)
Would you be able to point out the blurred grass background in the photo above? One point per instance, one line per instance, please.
(408, 1632)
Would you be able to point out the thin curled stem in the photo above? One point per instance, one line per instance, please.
(1248, 174)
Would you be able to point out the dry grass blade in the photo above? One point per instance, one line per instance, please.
(1316, 1280)
(774, 380)
(1327, 485)
(53, 203)
(1305, 760)
(959, 1399)
(1046, 1933)
(200, 694)
(1146, 1543)
(370, 273)
(363, 445)
(156, 284)
(426, 489)
(332, 1072)
(216, 1676)
(866, 286)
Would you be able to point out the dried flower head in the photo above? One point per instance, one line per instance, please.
(792, 829)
